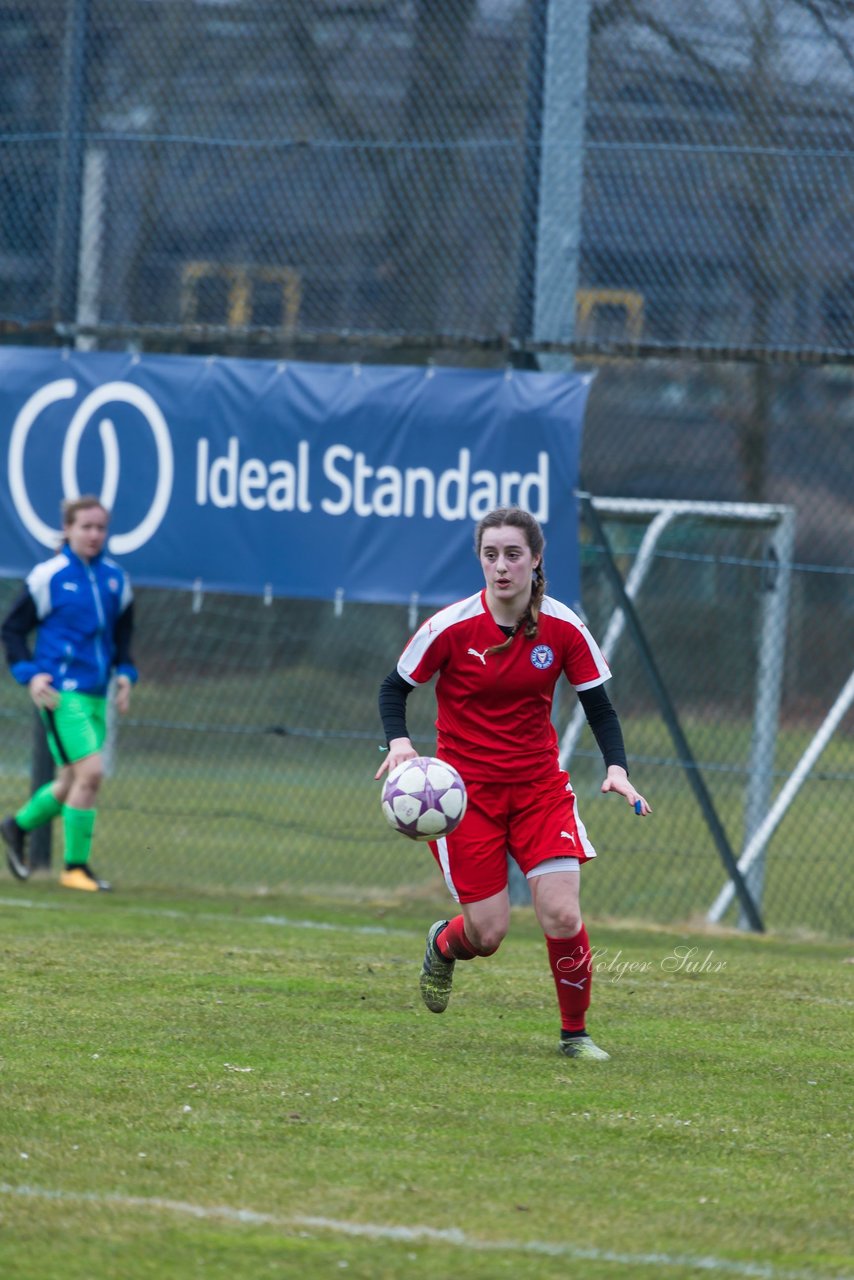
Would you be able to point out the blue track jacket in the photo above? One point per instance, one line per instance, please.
(84, 615)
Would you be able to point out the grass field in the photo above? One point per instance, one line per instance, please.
(244, 1088)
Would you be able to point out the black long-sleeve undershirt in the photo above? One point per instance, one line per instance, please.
(605, 725)
(21, 619)
(394, 691)
(598, 708)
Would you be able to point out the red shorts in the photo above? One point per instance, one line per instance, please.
(532, 821)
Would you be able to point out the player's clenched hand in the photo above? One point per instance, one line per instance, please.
(618, 781)
(43, 693)
(123, 688)
(399, 749)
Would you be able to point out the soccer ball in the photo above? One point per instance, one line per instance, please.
(424, 798)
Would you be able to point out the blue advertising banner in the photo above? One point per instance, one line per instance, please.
(304, 480)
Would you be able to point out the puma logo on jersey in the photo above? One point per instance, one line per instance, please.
(579, 985)
(567, 835)
(475, 654)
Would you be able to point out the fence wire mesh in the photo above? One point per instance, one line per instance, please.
(247, 762)
(374, 180)
(388, 169)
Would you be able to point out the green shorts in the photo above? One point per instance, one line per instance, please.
(76, 728)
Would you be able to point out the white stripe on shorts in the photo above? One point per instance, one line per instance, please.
(553, 864)
(445, 864)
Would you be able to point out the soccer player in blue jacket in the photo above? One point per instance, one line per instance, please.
(81, 605)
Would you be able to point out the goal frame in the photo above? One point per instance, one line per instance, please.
(660, 515)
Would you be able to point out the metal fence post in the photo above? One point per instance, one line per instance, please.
(70, 177)
(41, 771)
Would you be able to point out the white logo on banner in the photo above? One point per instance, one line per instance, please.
(110, 392)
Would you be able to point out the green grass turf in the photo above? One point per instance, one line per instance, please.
(169, 1061)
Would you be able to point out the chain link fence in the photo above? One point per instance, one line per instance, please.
(391, 169)
(247, 761)
(381, 180)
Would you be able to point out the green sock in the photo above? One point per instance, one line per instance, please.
(78, 825)
(39, 809)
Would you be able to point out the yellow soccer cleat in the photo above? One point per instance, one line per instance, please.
(81, 876)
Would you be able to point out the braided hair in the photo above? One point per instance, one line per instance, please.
(517, 518)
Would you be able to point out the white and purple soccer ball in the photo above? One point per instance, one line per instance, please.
(424, 798)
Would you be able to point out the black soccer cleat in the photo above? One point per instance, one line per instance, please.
(437, 973)
(581, 1046)
(15, 839)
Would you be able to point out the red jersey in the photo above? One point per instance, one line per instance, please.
(494, 709)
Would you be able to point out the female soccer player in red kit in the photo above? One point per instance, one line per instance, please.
(498, 656)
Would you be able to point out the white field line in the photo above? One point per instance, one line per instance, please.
(217, 917)
(286, 922)
(453, 1236)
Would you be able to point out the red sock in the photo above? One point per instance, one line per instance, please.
(572, 971)
(454, 945)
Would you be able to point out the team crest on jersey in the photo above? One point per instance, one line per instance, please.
(542, 656)
(113, 584)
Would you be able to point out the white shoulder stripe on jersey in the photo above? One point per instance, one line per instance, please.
(39, 580)
(592, 684)
(460, 611)
(556, 609)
